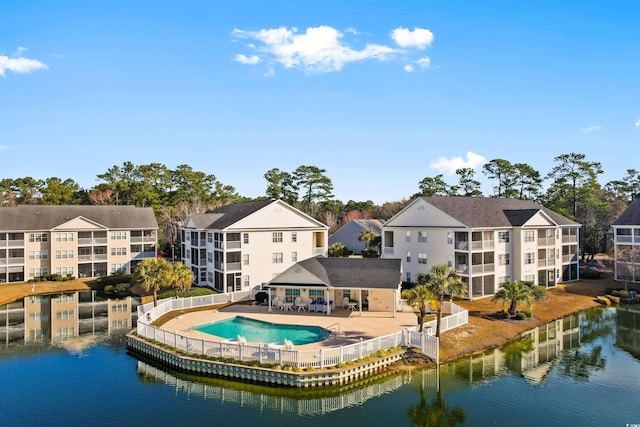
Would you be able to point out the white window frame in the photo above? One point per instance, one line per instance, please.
(422, 258)
(276, 237)
(277, 258)
(503, 236)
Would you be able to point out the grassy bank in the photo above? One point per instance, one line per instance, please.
(483, 332)
(10, 292)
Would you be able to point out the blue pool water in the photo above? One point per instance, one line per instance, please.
(264, 332)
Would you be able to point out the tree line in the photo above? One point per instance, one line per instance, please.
(573, 191)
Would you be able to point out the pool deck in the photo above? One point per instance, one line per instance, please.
(352, 326)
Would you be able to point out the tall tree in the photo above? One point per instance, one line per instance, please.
(441, 281)
(58, 192)
(503, 175)
(314, 184)
(280, 185)
(528, 181)
(366, 236)
(628, 187)
(8, 196)
(433, 186)
(181, 277)
(467, 186)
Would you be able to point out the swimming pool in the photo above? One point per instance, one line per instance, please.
(264, 332)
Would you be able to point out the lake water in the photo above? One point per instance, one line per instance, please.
(580, 370)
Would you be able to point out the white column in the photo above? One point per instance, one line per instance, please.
(269, 299)
(395, 302)
(360, 301)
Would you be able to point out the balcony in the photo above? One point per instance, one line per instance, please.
(143, 239)
(569, 258)
(388, 249)
(482, 268)
(546, 263)
(12, 261)
(546, 242)
(142, 255)
(235, 244)
(92, 257)
(569, 239)
(14, 243)
(89, 241)
(624, 239)
(318, 250)
(462, 269)
(233, 266)
(462, 245)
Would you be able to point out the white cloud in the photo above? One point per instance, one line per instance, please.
(320, 49)
(419, 38)
(19, 51)
(244, 59)
(449, 166)
(424, 62)
(270, 73)
(20, 65)
(408, 68)
(4, 147)
(592, 128)
(638, 123)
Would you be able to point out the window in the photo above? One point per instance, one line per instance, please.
(209, 237)
(529, 236)
(245, 238)
(64, 237)
(530, 278)
(422, 258)
(408, 238)
(38, 254)
(422, 236)
(38, 237)
(294, 256)
(65, 332)
(210, 277)
(408, 277)
(277, 257)
(118, 235)
(65, 315)
(503, 236)
(38, 271)
(503, 259)
(64, 254)
(276, 237)
(245, 259)
(449, 261)
(64, 271)
(450, 238)
(529, 258)
(64, 298)
(408, 256)
(294, 236)
(316, 293)
(245, 281)
(118, 251)
(118, 268)
(292, 292)
(503, 279)
(209, 256)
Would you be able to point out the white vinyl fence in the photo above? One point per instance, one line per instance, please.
(262, 353)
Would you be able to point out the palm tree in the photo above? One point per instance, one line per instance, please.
(366, 236)
(418, 297)
(151, 274)
(441, 281)
(181, 278)
(513, 293)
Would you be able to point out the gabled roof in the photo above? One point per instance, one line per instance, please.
(479, 212)
(631, 215)
(352, 273)
(375, 225)
(47, 217)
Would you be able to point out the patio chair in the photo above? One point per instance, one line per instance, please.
(242, 340)
(300, 305)
(345, 302)
(288, 345)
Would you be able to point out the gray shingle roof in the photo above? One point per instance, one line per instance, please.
(478, 212)
(375, 225)
(631, 215)
(225, 216)
(354, 273)
(47, 217)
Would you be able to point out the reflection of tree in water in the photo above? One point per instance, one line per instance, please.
(514, 350)
(435, 413)
(579, 365)
(595, 324)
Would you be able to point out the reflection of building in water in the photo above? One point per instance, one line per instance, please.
(65, 315)
(533, 356)
(628, 330)
(287, 400)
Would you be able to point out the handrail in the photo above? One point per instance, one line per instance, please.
(335, 324)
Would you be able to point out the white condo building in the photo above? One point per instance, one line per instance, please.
(626, 232)
(244, 245)
(487, 241)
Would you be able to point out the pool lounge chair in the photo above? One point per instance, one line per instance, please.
(288, 345)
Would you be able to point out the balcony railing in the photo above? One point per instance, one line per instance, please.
(462, 269)
(140, 239)
(10, 261)
(14, 243)
(482, 268)
(234, 244)
(479, 245)
(462, 245)
(318, 250)
(142, 255)
(569, 239)
(569, 258)
(388, 249)
(545, 262)
(546, 242)
(624, 239)
(90, 241)
(93, 257)
(234, 266)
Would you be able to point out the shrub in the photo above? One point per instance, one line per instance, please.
(526, 312)
(37, 279)
(369, 253)
(309, 369)
(521, 316)
(586, 273)
(613, 299)
(122, 287)
(114, 280)
(603, 300)
(621, 293)
(539, 292)
(109, 289)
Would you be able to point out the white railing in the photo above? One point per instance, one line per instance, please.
(261, 353)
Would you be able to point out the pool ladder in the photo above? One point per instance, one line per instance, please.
(332, 328)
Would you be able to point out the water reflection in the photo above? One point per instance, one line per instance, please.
(538, 351)
(65, 317)
(628, 330)
(308, 401)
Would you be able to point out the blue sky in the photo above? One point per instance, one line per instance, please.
(379, 93)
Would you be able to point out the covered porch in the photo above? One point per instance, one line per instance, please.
(324, 285)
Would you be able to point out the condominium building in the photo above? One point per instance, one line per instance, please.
(243, 245)
(626, 232)
(78, 241)
(487, 241)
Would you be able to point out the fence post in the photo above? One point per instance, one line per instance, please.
(341, 354)
(321, 358)
(260, 353)
(360, 349)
